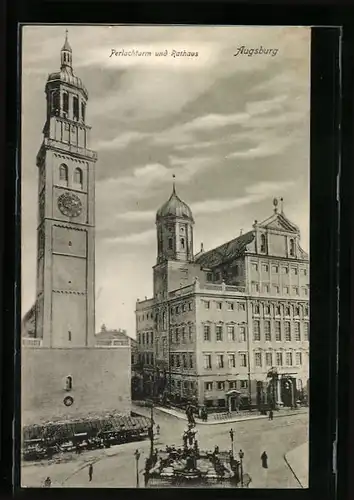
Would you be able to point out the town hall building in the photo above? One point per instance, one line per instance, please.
(227, 327)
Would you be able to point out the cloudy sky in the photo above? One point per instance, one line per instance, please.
(234, 131)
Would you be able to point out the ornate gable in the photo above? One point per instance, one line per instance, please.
(279, 222)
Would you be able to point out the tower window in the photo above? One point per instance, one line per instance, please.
(78, 176)
(68, 383)
(55, 102)
(292, 248)
(63, 173)
(182, 243)
(69, 336)
(170, 245)
(263, 243)
(83, 111)
(75, 108)
(66, 102)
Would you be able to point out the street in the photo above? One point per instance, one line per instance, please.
(116, 467)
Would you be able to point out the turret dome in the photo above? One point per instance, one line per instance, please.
(175, 207)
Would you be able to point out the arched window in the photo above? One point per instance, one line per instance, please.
(65, 102)
(182, 244)
(75, 108)
(55, 102)
(78, 176)
(263, 243)
(83, 109)
(68, 383)
(69, 336)
(63, 174)
(292, 248)
(170, 244)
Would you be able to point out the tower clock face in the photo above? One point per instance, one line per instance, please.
(69, 204)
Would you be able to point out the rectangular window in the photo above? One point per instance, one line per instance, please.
(207, 304)
(256, 331)
(65, 102)
(266, 288)
(267, 334)
(275, 269)
(269, 359)
(184, 358)
(221, 386)
(277, 331)
(208, 386)
(279, 359)
(209, 277)
(276, 289)
(231, 333)
(277, 310)
(190, 331)
(178, 361)
(294, 271)
(289, 359)
(284, 270)
(243, 359)
(287, 331)
(185, 385)
(143, 338)
(297, 331)
(265, 268)
(242, 334)
(298, 358)
(190, 306)
(296, 290)
(190, 360)
(255, 287)
(219, 306)
(184, 308)
(230, 306)
(306, 331)
(286, 290)
(254, 266)
(177, 335)
(241, 307)
(206, 332)
(220, 360)
(219, 333)
(232, 384)
(207, 361)
(139, 338)
(183, 335)
(232, 361)
(258, 359)
(244, 384)
(267, 310)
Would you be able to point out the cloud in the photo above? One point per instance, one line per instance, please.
(143, 238)
(264, 149)
(121, 141)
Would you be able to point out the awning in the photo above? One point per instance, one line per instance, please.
(232, 392)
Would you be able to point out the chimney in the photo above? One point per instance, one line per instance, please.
(241, 231)
(202, 247)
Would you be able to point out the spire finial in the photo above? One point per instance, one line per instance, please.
(174, 184)
(281, 205)
(275, 204)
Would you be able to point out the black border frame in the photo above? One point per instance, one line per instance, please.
(325, 148)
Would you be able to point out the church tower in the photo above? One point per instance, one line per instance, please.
(174, 225)
(65, 302)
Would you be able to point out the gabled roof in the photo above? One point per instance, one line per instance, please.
(228, 251)
(279, 222)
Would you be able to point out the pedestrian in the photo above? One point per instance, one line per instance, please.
(264, 458)
(270, 414)
(47, 482)
(90, 472)
(158, 429)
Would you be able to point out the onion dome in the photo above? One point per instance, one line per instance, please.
(175, 207)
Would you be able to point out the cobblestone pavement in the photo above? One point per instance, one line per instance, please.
(116, 467)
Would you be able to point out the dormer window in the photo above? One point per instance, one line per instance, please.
(292, 248)
(263, 243)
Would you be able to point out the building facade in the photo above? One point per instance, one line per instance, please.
(228, 327)
(64, 372)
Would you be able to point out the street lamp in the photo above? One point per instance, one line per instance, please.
(137, 456)
(241, 455)
(232, 441)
